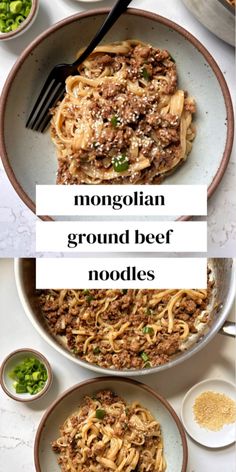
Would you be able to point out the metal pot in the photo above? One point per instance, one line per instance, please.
(223, 297)
(217, 15)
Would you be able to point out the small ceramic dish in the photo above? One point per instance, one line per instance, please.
(212, 439)
(174, 439)
(29, 158)
(25, 25)
(10, 362)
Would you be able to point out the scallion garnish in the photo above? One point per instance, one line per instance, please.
(145, 74)
(114, 121)
(86, 292)
(148, 330)
(29, 376)
(96, 350)
(100, 414)
(149, 311)
(13, 13)
(144, 356)
(121, 163)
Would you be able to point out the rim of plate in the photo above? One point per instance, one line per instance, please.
(189, 392)
(148, 389)
(135, 12)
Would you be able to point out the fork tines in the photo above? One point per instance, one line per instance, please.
(52, 91)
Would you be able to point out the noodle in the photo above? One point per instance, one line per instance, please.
(107, 434)
(125, 329)
(123, 119)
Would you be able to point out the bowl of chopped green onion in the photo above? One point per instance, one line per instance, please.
(16, 17)
(25, 375)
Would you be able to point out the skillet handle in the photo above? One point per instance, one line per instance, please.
(229, 329)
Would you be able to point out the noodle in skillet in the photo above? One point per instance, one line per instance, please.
(123, 119)
(125, 329)
(107, 434)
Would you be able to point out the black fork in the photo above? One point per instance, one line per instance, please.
(54, 87)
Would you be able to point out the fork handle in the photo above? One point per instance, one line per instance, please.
(119, 8)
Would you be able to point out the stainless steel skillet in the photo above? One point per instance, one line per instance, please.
(223, 271)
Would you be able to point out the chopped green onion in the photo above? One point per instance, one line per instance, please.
(13, 13)
(114, 121)
(121, 163)
(145, 74)
(145, 357)
(89, 298)
(3, 7)
(147, 365)
(36, 375)
(86, 292)
(20, 388)
(100, 414)
(19, 19)
(9, 22)
(96, 350)
(16, 7)
(148, 330)
(124, 291)
(149, 311)
(30, 376)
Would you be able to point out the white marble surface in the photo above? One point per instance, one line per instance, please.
(19, 422)
(17, 222)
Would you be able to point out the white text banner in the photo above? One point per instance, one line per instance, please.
(121, 200)
(90, 273)
(120, 236)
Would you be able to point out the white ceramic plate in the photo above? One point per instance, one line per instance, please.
(213, 439)
(30, 158)
(175, 445)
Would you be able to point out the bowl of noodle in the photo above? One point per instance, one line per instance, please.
(110, 424)
(141, 110)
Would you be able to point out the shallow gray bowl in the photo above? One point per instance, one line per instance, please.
(175, 445)
(30, 158)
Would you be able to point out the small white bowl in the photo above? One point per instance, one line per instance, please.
(212, 439)
(25, 25)
(11, 361)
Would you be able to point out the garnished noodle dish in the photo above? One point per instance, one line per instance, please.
(126, 329)
(108, 434)
(123, 119)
